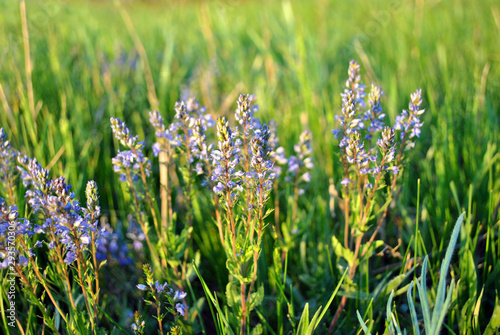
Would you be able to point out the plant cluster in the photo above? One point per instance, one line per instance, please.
(234, 167)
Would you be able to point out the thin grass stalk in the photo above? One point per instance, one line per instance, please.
(27, 61)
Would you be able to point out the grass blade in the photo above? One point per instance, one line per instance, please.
(438, 306)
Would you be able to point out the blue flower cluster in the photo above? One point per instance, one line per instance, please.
(186, 132)
(225, 161)
(262, 174)
(277, 154)
(245, 111)
(131, 163)
(138, 325)
(374, 113)
(174, 298)
(347, 120)
(58, 220)
(301, 163)
(7, 165)
(201, 150)
(135, 234)
(10, 228)
(112, 245)
(408, 123)
(352, 123)
(355, 84)
(163, 135)
(159, 289)
(64, 222)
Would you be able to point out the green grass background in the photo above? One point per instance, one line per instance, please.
(293, 55)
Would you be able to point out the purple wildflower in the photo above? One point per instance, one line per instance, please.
(179, 295)
(346, 181)
(374, 112)
(130, 162)
(355, 84)
(181, 307)
(7, 162)
(225, 161)
(70, 257)
(408, 122)
(300, 163)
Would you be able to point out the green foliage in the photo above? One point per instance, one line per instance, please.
(293, 55)
(432, 320)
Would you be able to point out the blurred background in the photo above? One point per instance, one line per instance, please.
(86, 67)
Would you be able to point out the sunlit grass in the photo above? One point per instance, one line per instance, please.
(293, 57)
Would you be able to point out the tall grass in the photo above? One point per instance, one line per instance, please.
(86, 68)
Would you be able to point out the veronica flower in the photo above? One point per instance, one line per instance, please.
(188, 131)
(139, 324)
(122, 133)
(160, 288)
(386, 144)
(245, 111)
(7, 165)
(355, 84)
(225, 161)
(348, 120)
(129, 164)
(300, 163)
(355, 151)
(63, 223)
(163, 135)
(374, 112)
(201, 150)
(182, 129)
(70, 257)
(408, 122)
(92, 198)
(9, 217)
(262, 174)
(135, 233)
(244, 115)
(37, 177)
(179, 295)
(181, 307)
(277, 153)
(23, 261)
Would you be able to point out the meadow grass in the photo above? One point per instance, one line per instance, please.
(293, 55)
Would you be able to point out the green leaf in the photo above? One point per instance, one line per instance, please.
(304, 320)
(494, 324)
(233, 297)
(362, 323)
(342, 252)
(257, 330)
(234, 269)
(468, 274)
(442, 313)
(445, 265)
(393, 284)
(223, 326)
(314, 322)
(465, 322)
(422, 292)
(256, 299)
(413, 313)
